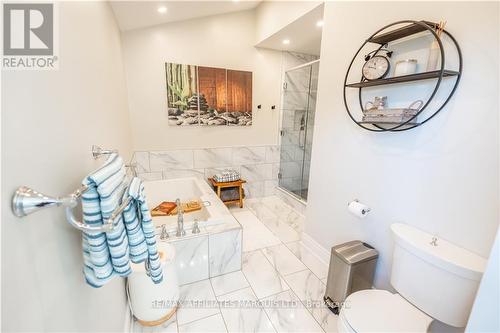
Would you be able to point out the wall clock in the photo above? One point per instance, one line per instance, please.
(376, 67)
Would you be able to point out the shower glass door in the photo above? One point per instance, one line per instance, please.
(299, 103)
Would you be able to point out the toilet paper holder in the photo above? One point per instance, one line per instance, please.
(364, 211)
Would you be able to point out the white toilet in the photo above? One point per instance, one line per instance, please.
(434, 280)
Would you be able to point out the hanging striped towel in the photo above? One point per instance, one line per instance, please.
(105, 254)
(141, 231)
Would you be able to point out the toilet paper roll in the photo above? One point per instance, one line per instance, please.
(358, 209)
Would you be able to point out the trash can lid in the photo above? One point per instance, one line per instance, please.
(355, 252)
(166, 252)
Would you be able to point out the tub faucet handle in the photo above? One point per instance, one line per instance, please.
(164, 233)
(196, 228)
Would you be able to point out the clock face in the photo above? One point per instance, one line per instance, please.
(376, 68)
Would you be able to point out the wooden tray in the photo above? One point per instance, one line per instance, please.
(187, 207)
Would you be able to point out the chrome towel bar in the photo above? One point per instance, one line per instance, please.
(108, 224)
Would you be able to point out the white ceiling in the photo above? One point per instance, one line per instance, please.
(139, 14)
(303, 33)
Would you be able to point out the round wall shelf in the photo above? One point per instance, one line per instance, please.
(382, 39)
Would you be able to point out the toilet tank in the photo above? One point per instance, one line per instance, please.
(439, 278)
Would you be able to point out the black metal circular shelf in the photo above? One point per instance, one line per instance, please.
(418, 26)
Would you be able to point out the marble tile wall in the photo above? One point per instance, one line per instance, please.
(191, 259)
(225, 252)
(298, 104)
(292, 59)
(258, 165)
(298, 205)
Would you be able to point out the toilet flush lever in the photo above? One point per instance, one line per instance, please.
(434, 241)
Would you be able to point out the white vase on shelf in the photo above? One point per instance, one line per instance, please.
(434, 60)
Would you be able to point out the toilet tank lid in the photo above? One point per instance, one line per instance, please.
(445, 255)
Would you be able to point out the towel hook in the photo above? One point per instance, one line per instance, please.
(98, 151)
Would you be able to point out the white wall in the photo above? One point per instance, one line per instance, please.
(441, 177)
(219, 41)
(272, 16)
(50, 119)
(484, 315)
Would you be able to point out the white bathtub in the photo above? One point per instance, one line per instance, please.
(213, 212)
(216, 249)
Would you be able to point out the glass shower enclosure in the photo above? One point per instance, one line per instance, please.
(297, 125)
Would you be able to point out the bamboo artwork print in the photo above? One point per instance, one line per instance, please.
(208, 96)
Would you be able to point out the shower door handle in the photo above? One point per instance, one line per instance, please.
(302, 137)
(302, 132)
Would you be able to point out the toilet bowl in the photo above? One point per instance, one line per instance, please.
(375, 310)
(434, 279)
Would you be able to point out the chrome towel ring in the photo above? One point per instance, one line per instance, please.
(26, 201)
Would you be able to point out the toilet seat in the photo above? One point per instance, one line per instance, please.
(375, 310)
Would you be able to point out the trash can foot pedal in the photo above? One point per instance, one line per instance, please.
(331, 305)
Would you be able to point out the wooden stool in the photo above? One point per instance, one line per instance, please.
(237, 183)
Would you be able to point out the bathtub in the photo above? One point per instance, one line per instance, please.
(216, 249)
(186, 189)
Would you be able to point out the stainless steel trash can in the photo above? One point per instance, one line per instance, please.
(352, 266)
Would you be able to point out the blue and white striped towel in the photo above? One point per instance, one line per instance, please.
(105, 254)
(141, 231)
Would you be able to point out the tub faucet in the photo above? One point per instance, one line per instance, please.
(180, 219)
(196, 228)
(164, 233)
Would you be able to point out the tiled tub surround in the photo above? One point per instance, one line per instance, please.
(258, 165)
(217, 248)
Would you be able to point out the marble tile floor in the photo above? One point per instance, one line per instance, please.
(279, 289)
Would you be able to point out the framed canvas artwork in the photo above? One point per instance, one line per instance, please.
(208, 96)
